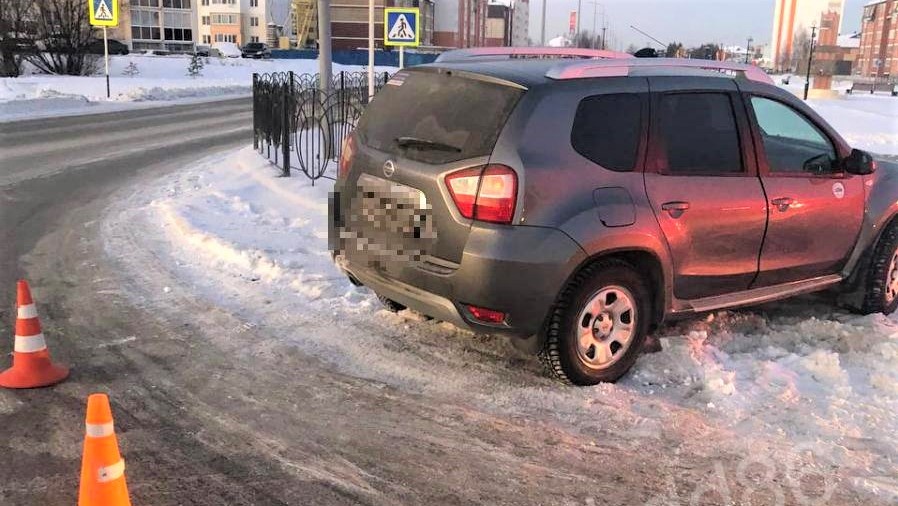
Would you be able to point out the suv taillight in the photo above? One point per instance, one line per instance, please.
(346, 158)
(484, 193)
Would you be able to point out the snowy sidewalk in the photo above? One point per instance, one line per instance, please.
(771, 383)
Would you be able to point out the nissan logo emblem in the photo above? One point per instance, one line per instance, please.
(389, 168)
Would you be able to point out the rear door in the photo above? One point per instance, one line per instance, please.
(423, 125)
(703, 186)
(816, 210)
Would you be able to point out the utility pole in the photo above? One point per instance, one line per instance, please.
(807, 83)
(325, 74)
(579, 7)
(748, 50)
(543, 35)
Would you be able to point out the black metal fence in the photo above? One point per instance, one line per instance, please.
(305, 125)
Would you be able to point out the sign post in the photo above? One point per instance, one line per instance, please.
(104, 13)
(402, 28)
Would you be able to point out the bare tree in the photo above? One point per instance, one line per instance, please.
(15, 16)
(63, 35)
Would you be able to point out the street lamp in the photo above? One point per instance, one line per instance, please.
(748, 50)
(807, 83)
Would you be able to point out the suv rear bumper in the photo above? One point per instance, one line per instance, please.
(518, 270)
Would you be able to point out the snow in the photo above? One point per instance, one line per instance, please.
(868, 122)
(162, 80)
(797, 385)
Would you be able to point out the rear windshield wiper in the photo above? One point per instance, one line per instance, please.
(414, 142)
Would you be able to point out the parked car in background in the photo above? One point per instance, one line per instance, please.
(256, 50)
(207, 51)
(227, 49)
(115, 47)
(575, 205)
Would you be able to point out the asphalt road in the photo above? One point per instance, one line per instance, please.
(200, 420)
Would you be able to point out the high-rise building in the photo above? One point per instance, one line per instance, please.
(237, 21)
(878, 54)
(164, 25)
(792, 21)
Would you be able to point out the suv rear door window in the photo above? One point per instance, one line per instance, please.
(444, 118)
(698, 134)
(607, 130)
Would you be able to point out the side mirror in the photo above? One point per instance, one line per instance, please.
(859, 163)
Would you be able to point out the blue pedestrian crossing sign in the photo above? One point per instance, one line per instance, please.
(402, 27)
(103, 12)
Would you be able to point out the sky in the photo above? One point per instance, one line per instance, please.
(692, 22)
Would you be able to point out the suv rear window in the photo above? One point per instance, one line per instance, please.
(607, 129)
(440, 108)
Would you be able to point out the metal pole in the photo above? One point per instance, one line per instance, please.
(255, 112)
(370, 49)
(748, 50)
(401, 57)
(603, 35)
(543, 33)
(807, 83)
(106, 59)
(595, 31)
(579, 6)
(325, 73)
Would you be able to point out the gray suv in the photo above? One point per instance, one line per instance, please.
(577, 204)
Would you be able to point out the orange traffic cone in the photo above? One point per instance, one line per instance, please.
(102, 467)
(31, 365)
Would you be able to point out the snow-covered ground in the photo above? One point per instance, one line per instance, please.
(161, 80)
(796, 387)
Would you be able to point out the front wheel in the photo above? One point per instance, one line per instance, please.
(598, 326)
(881, 291)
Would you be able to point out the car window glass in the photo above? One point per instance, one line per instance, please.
(698, 134)
(791, 142)
(607, 129)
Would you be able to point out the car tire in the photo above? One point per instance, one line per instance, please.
(881, 291)
(581, 346)
(390, 304)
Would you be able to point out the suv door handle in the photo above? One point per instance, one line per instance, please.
(783, 203)
(675, 209)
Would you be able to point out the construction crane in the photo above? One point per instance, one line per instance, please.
(303, 15)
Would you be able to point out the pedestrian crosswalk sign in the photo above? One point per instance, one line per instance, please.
(103, 12)
(402, 27)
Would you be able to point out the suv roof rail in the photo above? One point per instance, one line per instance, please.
(618, 68)
(529, 52)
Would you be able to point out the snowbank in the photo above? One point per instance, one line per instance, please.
(161, 79)
(794, 385)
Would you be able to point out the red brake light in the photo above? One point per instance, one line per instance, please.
(345, 158)
(486, 315)
(484, 193)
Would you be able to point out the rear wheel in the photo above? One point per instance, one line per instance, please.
(881, 292)
(598, 327)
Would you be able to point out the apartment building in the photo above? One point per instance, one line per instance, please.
(236, 21)
(165, 25)
(349, 22)
(498, 24)
(460, 23)
(793, 19)
(878, 53)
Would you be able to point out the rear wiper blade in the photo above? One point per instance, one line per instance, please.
(415, 142)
